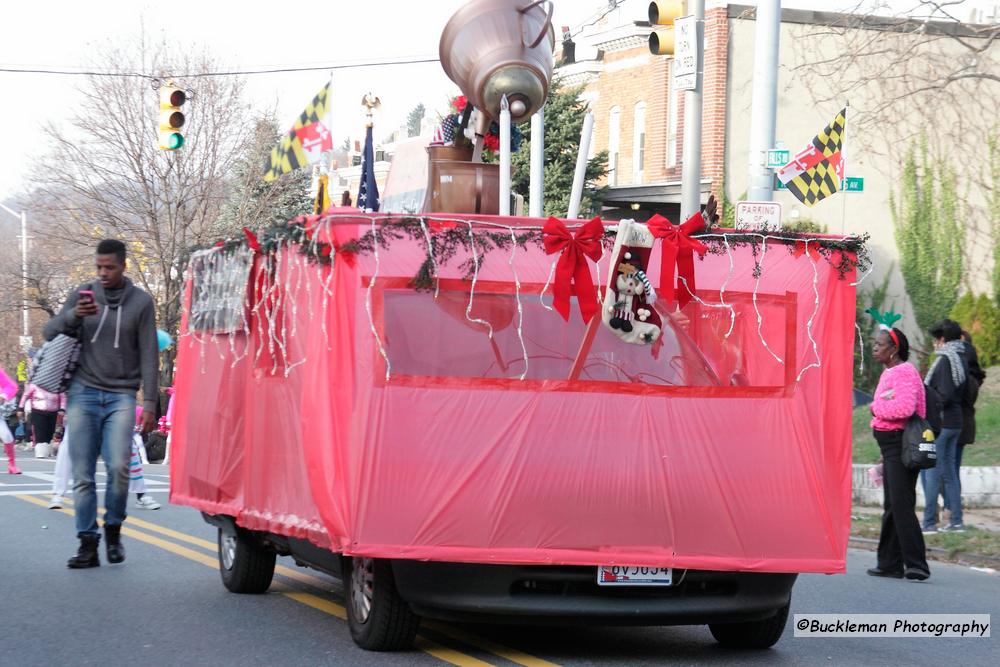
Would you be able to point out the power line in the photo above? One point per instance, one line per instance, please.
(277, 70)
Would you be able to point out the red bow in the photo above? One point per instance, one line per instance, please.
(677, 250)
(252, 240)
(572, 265)
(800, 249)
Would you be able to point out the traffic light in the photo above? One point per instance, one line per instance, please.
(171, 117)
(664, 12)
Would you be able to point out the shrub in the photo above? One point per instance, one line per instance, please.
(980, 316)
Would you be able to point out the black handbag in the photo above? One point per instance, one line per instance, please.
(56, 363)
(919, 451)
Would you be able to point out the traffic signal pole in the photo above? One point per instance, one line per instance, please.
(691, 157)
(760, 179)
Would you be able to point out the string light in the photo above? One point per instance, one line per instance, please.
(756, 286)
(430, 253)
(861, 348)
(517, 298)
(472, 288)
(368, 303)
(214, 272)
(819, 362)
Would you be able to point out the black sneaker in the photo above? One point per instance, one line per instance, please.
(879, 572)
(954, 528)
(916, 574)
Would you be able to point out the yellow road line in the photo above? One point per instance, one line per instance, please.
(500, 650)
(213, 547)
(328, 607)
(190, 554)
(315, 602)
(447, 654)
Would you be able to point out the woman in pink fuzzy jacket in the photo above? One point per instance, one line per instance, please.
(900, 394)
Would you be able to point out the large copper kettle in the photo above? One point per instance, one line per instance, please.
(492, 48)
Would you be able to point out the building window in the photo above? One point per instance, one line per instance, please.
(639, 142)
(614, 140)
(671, 118)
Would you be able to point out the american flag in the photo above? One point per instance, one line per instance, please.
(368, 190)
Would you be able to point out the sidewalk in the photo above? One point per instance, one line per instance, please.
(978, 546)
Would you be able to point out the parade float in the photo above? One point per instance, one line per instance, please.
(517, 419)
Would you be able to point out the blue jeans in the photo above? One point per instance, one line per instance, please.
(942, 479)
(102, 422)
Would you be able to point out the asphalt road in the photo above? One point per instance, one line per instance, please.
(166, 606)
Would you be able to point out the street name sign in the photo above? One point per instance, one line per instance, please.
(686, 53)
(778, 157)
(757, 215)
(854, 184)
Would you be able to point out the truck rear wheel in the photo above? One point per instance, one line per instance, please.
(751, 634)
(246, 565)
(379, 619)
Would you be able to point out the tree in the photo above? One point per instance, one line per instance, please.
(993, 208)
(980, 316)
(922, 72)
(925, 48)
(106, 177)
(866, 371)
(254, 202)
(413, 120)
(564, 114)
(929, 235)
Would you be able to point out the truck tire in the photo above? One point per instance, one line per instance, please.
(751, 634)
(379, 619)
(246, 565)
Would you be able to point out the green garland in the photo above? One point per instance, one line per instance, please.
(845, 255)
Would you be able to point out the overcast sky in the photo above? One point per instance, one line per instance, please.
(250, 34)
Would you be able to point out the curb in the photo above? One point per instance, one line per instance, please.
(936, 552)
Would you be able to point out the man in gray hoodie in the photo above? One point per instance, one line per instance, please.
(116, 323)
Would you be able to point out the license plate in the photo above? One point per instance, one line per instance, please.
(632, 575)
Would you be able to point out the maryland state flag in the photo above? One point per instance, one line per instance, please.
(304, 143)
(817, 171)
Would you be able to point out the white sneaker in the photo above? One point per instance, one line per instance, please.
(147, 503)
(42, 450)
(57, 502)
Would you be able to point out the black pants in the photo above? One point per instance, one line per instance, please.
(43, 425)
(901, 544)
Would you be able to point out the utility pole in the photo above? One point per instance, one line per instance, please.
(691, 157)
(24, 268)
(760, 179)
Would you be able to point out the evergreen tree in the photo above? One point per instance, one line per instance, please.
(413, 120)
(564, 113)
(930, 236)
(255, 203)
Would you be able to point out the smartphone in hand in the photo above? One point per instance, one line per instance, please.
(86, 296)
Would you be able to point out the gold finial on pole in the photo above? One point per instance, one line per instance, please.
(370, 102)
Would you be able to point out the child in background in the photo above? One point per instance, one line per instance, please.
(136, 484)
(8, 392)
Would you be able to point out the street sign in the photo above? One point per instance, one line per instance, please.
(778, 157)
(854, 184)
(686, 53)
(778, 185)
(757, 215)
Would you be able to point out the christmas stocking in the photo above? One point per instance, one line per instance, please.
(628, 309)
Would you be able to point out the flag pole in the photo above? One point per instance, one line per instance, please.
(843, 161)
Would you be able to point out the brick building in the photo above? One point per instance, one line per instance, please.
(639, 120)
(639, 117)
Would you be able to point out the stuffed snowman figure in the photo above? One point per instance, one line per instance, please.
(629, 310)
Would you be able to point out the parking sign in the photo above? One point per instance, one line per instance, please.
(758, 215)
